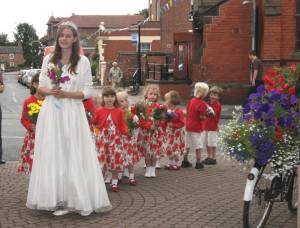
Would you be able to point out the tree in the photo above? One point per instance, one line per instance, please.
(144, 12)
(26, 35)
(3, 39)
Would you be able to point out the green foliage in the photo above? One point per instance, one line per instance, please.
(26, 35)
(144, 12)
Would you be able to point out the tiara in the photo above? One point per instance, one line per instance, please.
(70, 24)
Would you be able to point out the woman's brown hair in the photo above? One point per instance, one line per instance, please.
(75, 56)
(109, 91)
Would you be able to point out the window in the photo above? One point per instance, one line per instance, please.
(11, 64)
(11, 56)
(145, 47)
(298, 25)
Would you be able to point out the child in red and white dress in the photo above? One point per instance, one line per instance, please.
(211, 125)
(152, 132)
(196, 113)
(110, 120)
(26, 158)
(174, 145)
(130, 140)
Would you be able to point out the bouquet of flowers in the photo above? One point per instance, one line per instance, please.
(132, 121)
(34, 110)
(159, 112)
(142, 112)
(266, 128)
(55, 74)
(170, 115)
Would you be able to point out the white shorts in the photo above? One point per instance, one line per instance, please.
(194, 140)
(212, 138)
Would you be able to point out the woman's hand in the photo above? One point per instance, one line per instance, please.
(59, 93)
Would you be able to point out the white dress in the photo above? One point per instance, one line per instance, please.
(66, 172)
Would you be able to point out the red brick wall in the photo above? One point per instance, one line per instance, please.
(174, 20)
(227, 43)
(18, 59)
(279, 35)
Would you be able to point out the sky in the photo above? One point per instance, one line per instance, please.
(37, 12)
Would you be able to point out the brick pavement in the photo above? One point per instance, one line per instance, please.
(187, 198)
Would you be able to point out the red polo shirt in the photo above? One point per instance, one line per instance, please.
(212, 122)
(195, 115)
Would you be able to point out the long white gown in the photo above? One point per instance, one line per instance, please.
(66, 172)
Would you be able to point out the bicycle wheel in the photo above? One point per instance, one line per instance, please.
(257, 211)
(292, 196)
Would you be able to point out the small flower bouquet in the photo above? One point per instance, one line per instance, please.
(141, 110)
(159, 112)
(34, 110)
(55, 74)
(132, 121)
(170, 115)
(266, 128)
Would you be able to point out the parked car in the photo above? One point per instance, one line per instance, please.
(29, 76)
(20, 75)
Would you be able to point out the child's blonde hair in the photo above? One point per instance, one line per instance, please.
(172, 97)
(201, 89)
(216, 89)
(122, 93)
(153, 87)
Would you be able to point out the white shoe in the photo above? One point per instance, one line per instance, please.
(60, 212)
(107, 181)
(147, 173)
(84, 213)
(157, 164)
(152, 172)
(126, 173)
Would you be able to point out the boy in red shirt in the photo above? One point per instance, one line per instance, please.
(211, 125)
(196, 112)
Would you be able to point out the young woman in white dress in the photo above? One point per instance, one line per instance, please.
(66, 175)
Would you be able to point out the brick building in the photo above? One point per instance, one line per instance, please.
(11, 57)
(88, 27)
(120, 45)
(209, 40)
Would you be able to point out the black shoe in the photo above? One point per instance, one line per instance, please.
(211, 161)
(2, 162)
(186, 164)
(199, 165)
(205, 161)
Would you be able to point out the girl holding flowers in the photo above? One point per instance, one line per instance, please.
(110, 120)
(31, 109)
(174, 146)
(132, 156)
(152, 130)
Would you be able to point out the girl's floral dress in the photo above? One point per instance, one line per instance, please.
(26, 158)
(133, 155)
(158, 134)
(174, 146)
(110, 147)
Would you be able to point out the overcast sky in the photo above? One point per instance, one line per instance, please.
(37, 12)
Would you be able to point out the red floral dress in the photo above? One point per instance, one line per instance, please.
(133, 155)
(158, 134)
(111, 154)
(26, 158)
(174, 146)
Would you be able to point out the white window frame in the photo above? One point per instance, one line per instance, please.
(11, 64)
(11, 56)
(144, 50)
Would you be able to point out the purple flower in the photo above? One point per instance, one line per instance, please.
(52, 75)
(293, 100)
(64, 79)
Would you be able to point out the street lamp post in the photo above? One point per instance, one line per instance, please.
(253, 22)
(139, 70)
